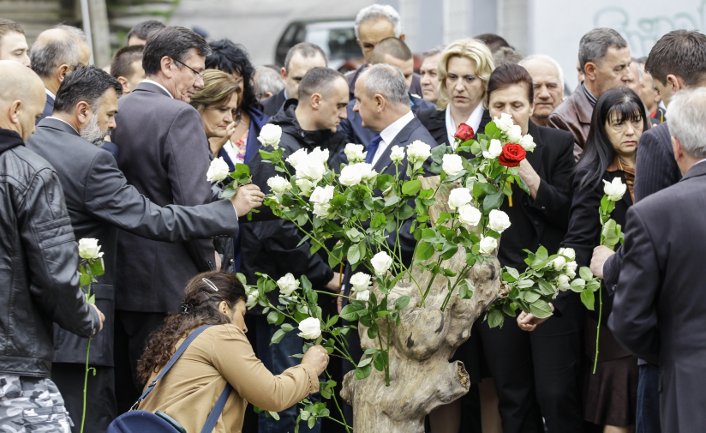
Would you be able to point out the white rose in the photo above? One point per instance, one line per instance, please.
(311, 169)
(321, 197)
(504, 122)
(362, 295)
(527, 143)
(397, 154)
(305, 185)
(355, 152)
(287, 284)
(310, 328)
(495, 148)
(615, 189)
(350, 175)
(571, 269)
(559, 262)
(569, 253)
(252, 300)
(270, 135)
(360, 281)
(418, 151)
(319, 154)
(563, 282)
(488, 245)
(88, 248)
(452, 164)
(498, 221)
(459, 197)
(297, 157)
(217, 170)
(381, 262)
(514, 134)
(469, 215)
(366, 170)
(279, 185)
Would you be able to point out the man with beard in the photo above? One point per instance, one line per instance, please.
(99, 200)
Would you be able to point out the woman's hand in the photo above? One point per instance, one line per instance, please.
(529, 177)
(316, 358)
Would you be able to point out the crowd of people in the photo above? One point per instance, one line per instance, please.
(121, 155)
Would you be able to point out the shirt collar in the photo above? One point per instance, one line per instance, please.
(50, 94)
(388, 134)
(158, 85)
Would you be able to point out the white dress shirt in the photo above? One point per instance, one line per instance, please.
(388, 134)
(473, 121)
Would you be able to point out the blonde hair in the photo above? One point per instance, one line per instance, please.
(472, 49)
(218, 87)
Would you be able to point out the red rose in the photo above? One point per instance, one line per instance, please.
(512, 155)
(464, 132)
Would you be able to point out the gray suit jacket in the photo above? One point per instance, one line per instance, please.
(659, 309)
(99, 200)
(164, 153)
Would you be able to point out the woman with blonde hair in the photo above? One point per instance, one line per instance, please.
(463, 72)
(216, 102)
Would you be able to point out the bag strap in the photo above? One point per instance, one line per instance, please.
(217, 410)
(180, 351)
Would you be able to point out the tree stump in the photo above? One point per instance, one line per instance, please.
(421, 376)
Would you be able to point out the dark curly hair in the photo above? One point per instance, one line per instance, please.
(233, 58)
(200, 307)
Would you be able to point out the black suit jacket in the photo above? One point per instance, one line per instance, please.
(99, 200)
(164, 153)
(659, 310)
(273, 104)
(435, 122)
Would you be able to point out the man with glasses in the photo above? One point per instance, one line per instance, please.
(164, 153)
(55, 53)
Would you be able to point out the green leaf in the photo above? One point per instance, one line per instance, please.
(411, 187)
(588, 299)
(448, 251)
(401, 302)
(275, 318)
(495, 318)
(353, 254)
(277, 336)
(513, 274)
(493, 201)
(286, 327)
(531, 297)
(363, 372)
(91, 299)
(585, 273)
(349, 313)
(425, 251)
(380, 360)
(540, 309)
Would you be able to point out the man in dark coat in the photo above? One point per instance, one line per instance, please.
(99, 200)
(659, 309)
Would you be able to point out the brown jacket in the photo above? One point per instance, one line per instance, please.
(574, 115)
(222, 353)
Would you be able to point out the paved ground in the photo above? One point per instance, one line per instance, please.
(258, 24)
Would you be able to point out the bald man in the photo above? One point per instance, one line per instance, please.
(55, 53)
(39, 260)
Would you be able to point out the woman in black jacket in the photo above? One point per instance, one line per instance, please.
(617, 124)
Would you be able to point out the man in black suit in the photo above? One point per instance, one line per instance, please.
(164, 153)
(55, 53)
(99, 200)
(677, 61)
(659, 309)
(301, 58)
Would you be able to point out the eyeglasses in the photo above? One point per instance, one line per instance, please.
(197, 74)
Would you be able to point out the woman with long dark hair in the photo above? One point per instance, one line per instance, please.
(616, 126)
(221, 354)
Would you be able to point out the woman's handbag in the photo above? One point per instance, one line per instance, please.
(141, 421)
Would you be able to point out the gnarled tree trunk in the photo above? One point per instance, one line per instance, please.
(421, 376)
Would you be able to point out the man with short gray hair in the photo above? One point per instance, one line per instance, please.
(659, 307)
(299, 60)
(548, 83)
(267, 82)
(604, 58)
(54, 54)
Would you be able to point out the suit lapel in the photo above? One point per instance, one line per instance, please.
(384, 163)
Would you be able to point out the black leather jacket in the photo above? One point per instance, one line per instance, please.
(38, 262)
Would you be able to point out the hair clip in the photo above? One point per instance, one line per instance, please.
(210, 284)
(186, 307)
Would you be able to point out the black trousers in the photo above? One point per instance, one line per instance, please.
(132, 330)
(537, 374)
(100, 404)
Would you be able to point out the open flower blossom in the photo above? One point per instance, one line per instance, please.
(252, 300)
(514, 134)
(295, 158)
(362, 295)
(310, 328)
(321, 198)
(488, 244)
(397, 154)
(88, 249)
(305, 186)
(504, 122)
(270, 135)
(559, 263)
(495, 148)
(287, 284)
(452, 164)
(563, 282)
(360, 281)
(615, 189)
(353, 174)
(355, 152)
(217, 170)
(459, 197)
(279, 185)
(527, 143)
(418, 151)
(498, 221)
(571, 269)
(569, 253)
(469, 215)
(381, 262)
